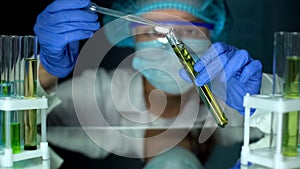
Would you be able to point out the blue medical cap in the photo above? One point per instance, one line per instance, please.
(210, 11)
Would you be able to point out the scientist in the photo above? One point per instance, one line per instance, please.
(154, 73)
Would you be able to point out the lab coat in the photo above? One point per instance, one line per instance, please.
(108, 101)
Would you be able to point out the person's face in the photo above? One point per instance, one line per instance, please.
(185, 31)
(154, 57)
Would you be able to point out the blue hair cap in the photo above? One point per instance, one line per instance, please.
(210, 11)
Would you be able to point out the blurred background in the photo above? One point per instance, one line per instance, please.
(254, 22)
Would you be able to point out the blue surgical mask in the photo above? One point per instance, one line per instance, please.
(159, 65)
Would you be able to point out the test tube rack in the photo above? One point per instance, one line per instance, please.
(9, 104)
(268, 157)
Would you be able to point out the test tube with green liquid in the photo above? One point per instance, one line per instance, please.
(9, 51)
(291, 119)
(188, 63)
(15, 133)
(286, 68)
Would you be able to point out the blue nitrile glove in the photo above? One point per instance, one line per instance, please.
(175, 158)
(237, 165)
(242, 73)
(59, 28)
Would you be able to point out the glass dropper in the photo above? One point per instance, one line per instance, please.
(130, 17)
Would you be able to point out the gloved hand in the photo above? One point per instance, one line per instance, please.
(229, 69)
(59, 28)
(237, 165)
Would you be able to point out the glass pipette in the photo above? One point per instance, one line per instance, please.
(130, 17)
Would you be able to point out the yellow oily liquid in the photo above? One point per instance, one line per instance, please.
(291, 119)
(204, 91)
(30, 80)
(30, 130)
(30, 116)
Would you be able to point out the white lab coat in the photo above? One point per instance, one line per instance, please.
(120, 97)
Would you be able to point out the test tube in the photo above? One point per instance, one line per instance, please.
(289, 58)
(19, 69)
(1, 88)
(15, 125)
(9, 52)
(188, 63)
(29, 52)
(15, 132)
(6, 86)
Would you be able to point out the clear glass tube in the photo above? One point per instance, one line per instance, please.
(130, 17)
(286, 79)
(6, 84)
(291, 91)
(204, 92)
(1, 88)
(11, 130)
(29, 52)
(15, 133)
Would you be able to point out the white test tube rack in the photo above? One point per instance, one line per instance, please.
(269, 158)
(8, 104)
